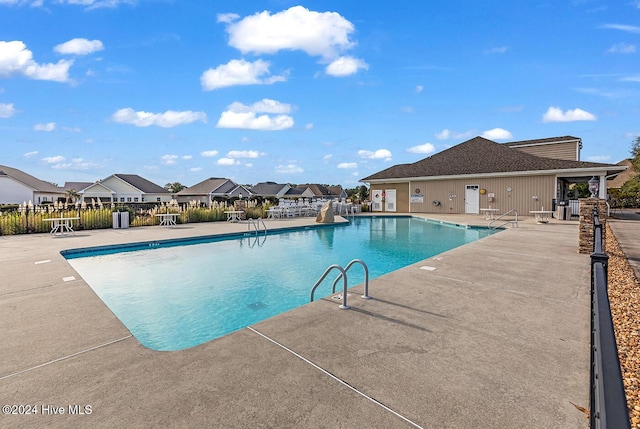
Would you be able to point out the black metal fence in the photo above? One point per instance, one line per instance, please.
(608, 403)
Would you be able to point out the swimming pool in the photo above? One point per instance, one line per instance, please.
(174, 295)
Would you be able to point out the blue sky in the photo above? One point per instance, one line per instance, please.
(305, 92)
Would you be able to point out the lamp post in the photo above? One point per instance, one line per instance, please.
(594, 185)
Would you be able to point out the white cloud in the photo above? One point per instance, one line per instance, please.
(327, 157)
(622, 48)
(169, 159)
(449, 134)
(242, 116)
(209, 153)
(53, 159)
(324, 34)
(243, 154)
(249, 164)
(238, 72)
(228, 161)
(378, 154)
(497, 134)
(308, 126)
(30, 154)
(16, 59)
(599, 158)
(7, 110)
(187, 156)
(72, 129)
(195, 169)
(167, 119)
(227, 17)
(348, 165)
(419, 89)
(622, 27)
(49, 126)
(289, 169)
(555, 114)
(635, 78)
(98, 4)
(496, 50)
(345, 66)
(79, 46)
(423, 148)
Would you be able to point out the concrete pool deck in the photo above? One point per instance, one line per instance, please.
(493, 334)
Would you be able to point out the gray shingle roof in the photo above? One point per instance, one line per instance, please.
(478, 156)
(77, 186)
(29, 180)
(142, 184)
(207, 186)
(267, 189)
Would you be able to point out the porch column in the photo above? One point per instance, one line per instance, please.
(602, 191)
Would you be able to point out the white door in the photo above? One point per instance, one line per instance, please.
(376, 200)
(390, 200)
(472, 199)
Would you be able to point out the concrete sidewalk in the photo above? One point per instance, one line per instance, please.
(494, 334)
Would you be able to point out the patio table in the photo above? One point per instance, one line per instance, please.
(62, 225)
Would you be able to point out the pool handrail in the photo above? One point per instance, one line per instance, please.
(344, 305)
(366, 277)
(256, 224)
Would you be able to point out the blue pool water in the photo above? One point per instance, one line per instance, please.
(175, 295)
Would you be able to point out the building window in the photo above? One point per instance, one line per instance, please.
(158, 199)
(122, 199)
(128, 199)
(135, 200)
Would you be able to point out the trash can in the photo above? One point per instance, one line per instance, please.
(563, 212)
(120, 220)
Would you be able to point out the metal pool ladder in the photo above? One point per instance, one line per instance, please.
(514, 223)
(343, 276)
(256, 225)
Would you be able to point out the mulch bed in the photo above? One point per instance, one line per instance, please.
(624, 297)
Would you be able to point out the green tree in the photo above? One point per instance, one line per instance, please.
(174, 187)
(72, 195)
(635, 153)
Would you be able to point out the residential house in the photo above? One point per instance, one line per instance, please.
(482, 173)
(17, 187)
(314, 190)
(270, 190)
(125, 188)
(212, 189)
(74, 188)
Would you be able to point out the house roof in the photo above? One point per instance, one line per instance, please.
(621, 178)
(207, 186)
(335, 190)
(267, 189)
(318, 190)
(77, 186)
(27, 179)
(481, 156)
(142, 184)
(215, 186)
